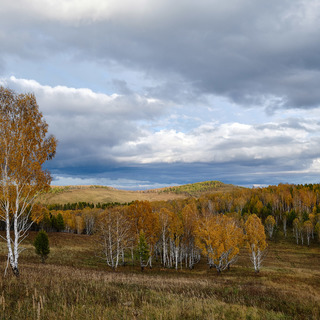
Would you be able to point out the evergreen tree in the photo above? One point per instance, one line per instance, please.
(59, 222)
(143, 250)
(41, 244)
(53, 220)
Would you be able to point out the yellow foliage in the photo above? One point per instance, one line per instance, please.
(141, 217)
(255, 234)
(79, 224)
(175, 227)
(220, 238)
(38, 213)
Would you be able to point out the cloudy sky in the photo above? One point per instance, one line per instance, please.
(147, 93)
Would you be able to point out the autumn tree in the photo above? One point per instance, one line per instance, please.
(90, 217)
(164, 216)
(255, 240)
(141, 217)
(175, 234)
(312, 218)
(220, 238)
(114, 236)
(308, 229)
(69, 219)
(189, 218)
(298, 230)
(270, 223)
(284, 222)
(79, 223)
(317, 229)
(24, 148)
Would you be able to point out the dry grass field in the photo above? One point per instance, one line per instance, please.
(95, 194)
(75, 284)
(104, 195)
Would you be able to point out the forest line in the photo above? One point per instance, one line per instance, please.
(178, 233)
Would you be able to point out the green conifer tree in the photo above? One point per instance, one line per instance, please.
(60, 222)
(143, 250)
(41, 244)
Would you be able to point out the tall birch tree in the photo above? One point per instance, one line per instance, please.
(114, 236)
(255, 240)
(24, 148)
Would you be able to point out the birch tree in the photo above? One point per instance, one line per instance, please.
(175, 234)
(24, 148)
(90, 217)
(189, 218)
(255, 240)
(317, 229)
(114, 236)
(270, 223)
(308, 229)
(284, 221)
(142, 217)
(220, 238)
(164, 216)
(298, 230)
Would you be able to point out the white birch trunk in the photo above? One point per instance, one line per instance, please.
(176, 256)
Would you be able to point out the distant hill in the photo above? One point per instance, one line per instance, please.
(102, 194)
(198, 188)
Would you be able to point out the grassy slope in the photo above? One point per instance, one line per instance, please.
(196, 189)
(104, 194)
(74, 284)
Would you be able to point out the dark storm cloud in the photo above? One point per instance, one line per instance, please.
(253, 52)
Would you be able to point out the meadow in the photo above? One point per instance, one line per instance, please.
(95, 194)
(75, 284)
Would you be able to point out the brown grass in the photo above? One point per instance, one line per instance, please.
(104, 195)
(74, 284)
(95, 194)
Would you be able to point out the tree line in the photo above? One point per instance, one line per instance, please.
(279, 207)
(82, 205)
(177, 233)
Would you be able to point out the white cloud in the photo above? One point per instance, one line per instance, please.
(83, 101)
(89, 124)
(96, 130)
(221, 143)
(78, 11)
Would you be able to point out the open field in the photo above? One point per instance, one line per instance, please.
(103, 195)
(95, 194)
(75, 284)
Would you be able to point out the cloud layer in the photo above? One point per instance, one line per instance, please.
(157, 92)
(251, 52)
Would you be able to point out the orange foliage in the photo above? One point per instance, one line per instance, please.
(220, 238)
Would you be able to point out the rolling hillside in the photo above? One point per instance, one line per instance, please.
(198, 188)
(95, 194)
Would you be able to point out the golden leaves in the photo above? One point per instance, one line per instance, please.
(23, 140)
(220, 238)
(255, 234)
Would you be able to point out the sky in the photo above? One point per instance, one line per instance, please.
(145, 94)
